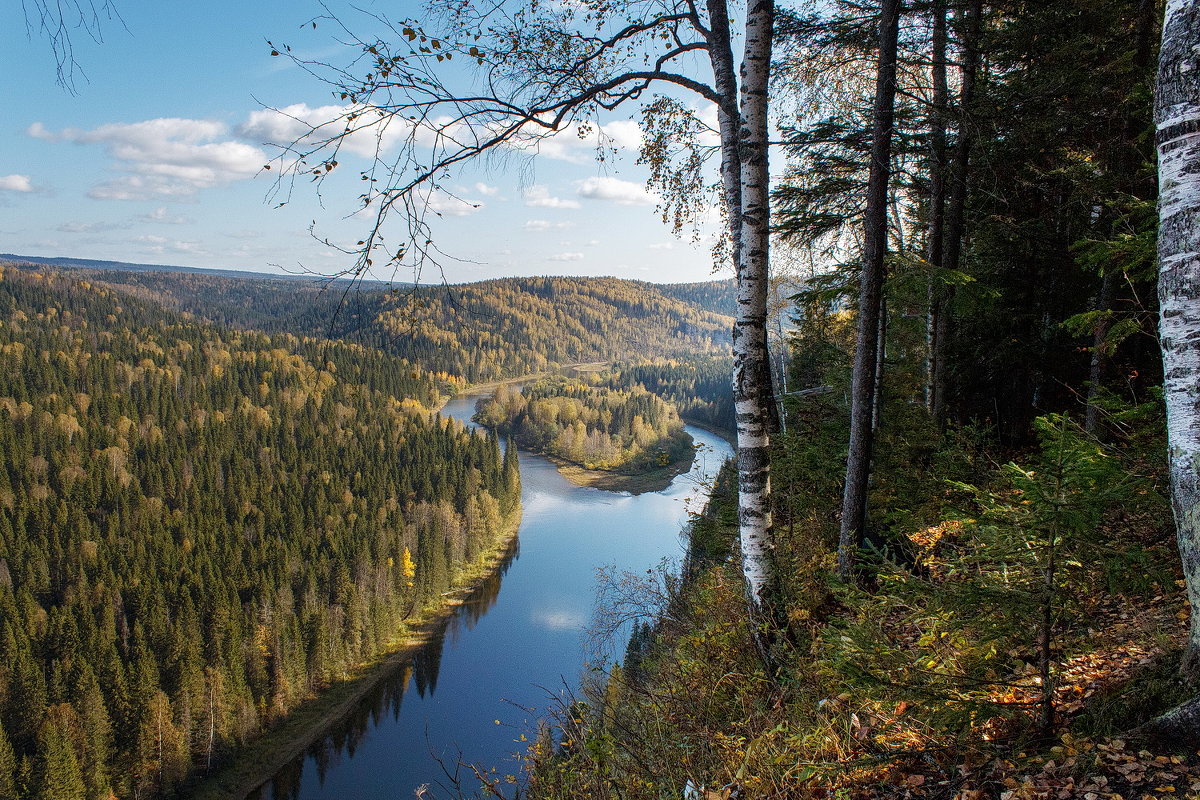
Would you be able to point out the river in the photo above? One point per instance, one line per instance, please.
(505, 655)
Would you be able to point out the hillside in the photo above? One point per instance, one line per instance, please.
(598, 428)
(474, 332)
(203, 527)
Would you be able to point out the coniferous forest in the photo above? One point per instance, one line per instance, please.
(475, 332)
(202, 527)
(593, 426)
(957, 556)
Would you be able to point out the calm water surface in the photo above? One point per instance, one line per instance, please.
(514, 645)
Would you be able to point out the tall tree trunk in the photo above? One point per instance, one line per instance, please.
(862, 391)
(937, 194)
(1129, 161)
(752, 395)
(1177, 119)
(1104, 302)
(956, 201)
(720, 53)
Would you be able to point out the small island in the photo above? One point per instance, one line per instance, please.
(617, 439)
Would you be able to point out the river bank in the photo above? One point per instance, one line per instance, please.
(258, 761)
(512, 653)
(654, 480)
(729, 436)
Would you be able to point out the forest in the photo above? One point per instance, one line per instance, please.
(467, 333)
(592, 426)
(973, 583)
(698, 387)
(946, 562)
(203, 527)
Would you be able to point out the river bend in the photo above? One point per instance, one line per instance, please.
(516, 643)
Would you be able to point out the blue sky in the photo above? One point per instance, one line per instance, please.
(157, 156)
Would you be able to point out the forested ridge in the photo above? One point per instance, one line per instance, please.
(469, 332)
(594, 426)
(202, 527)
(697, 387)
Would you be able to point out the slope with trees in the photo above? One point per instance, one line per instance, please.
(697, 387)
(470, 333)
(598, 428)
(1015, 618)
(201, 528)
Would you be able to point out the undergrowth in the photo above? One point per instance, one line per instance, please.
(1022, 610)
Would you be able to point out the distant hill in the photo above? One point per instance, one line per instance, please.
(715, 296)
(468, 332)
(126, 266)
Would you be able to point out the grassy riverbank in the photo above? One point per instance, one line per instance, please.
(654, 480)
(259, 760)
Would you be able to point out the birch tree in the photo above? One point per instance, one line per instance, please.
(1177, 119)
(555, 69)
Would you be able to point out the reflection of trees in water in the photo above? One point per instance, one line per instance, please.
(386, 696)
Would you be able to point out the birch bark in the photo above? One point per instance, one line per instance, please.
(1177, 120)
(752, 393)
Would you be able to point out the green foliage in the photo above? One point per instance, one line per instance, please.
(596, 427)
(200, 528)
(698, 387)
(1022, 557)
(463, 333)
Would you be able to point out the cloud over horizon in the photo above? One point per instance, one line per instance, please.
(165, 157)
(615, 190)
(539, 196)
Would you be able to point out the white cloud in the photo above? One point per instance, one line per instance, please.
(615, 190)
(363, 133)
(485, 190)
(137, 187)
(662, 246)
(90, 227)
(16, 183)
(161, 216)
(624, 133)
(539, 197)
(38, 131)
(301, 124)
(546, 225)
(450, 206)
(161, 244)
(566, 257)
(579, 145)
(167, 157)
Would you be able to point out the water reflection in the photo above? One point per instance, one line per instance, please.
(385, 698)
(494, 668)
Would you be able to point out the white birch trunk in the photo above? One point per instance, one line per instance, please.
(1177, 119)
(752, 387)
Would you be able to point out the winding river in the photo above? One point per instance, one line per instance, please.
(506, 654)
